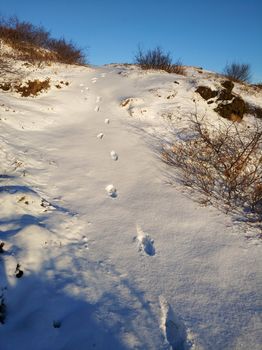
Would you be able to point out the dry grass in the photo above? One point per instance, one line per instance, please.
(177, 68)
(34, 43)
(32, 87)
(29, 88)
(158, 60)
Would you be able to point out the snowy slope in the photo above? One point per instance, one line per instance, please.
(113, 257)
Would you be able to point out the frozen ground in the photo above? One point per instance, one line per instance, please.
(114, 257)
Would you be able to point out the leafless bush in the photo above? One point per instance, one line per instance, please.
(157, 59)
(238, 72)
(5, 67)
(34, 43)
(225, 164)
(254, 110)
(10, 72)
(67, 52)
(17, 31)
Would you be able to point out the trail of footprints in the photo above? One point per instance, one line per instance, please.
(174, 331)
(110, 189)
(145, 242)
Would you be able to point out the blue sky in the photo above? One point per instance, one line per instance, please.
(206, 33)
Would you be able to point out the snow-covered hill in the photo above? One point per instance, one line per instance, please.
(100, 250)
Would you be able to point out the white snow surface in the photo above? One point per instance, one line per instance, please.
(113, 256)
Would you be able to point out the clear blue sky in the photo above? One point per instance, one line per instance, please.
(207, 33)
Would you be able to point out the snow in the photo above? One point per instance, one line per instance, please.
(113, 256)
(114, 155)
(111, 190)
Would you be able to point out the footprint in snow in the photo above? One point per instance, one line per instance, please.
(107, 121)
(85, 242)
(114, 155)
(111, 191)
(100, 135)
(174, 330)
(97, 109)
(145, 242)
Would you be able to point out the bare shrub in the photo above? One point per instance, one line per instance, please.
(238, 72)
(157, 59)
(34, 43)
(225, 164)
(67, 52)
(254, 110)
(7, 69)
(17, 31)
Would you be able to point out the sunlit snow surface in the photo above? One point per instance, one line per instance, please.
(113, 256)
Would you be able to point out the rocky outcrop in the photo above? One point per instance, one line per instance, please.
(206, 92)
(229, 105)
(233, 110)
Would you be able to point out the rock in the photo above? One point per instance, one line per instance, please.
(233, 110)
(206, 92)
(2, 310)
(2, 247)
(18, 272)
(228, 85)
(225, 95)
(5, 86)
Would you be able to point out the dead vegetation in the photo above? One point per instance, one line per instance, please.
(254, 110)
(238, 72)
(29, 88)
(7, 70)
(224, 165)
(32, 87)
(35, 44)
(158, 60)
